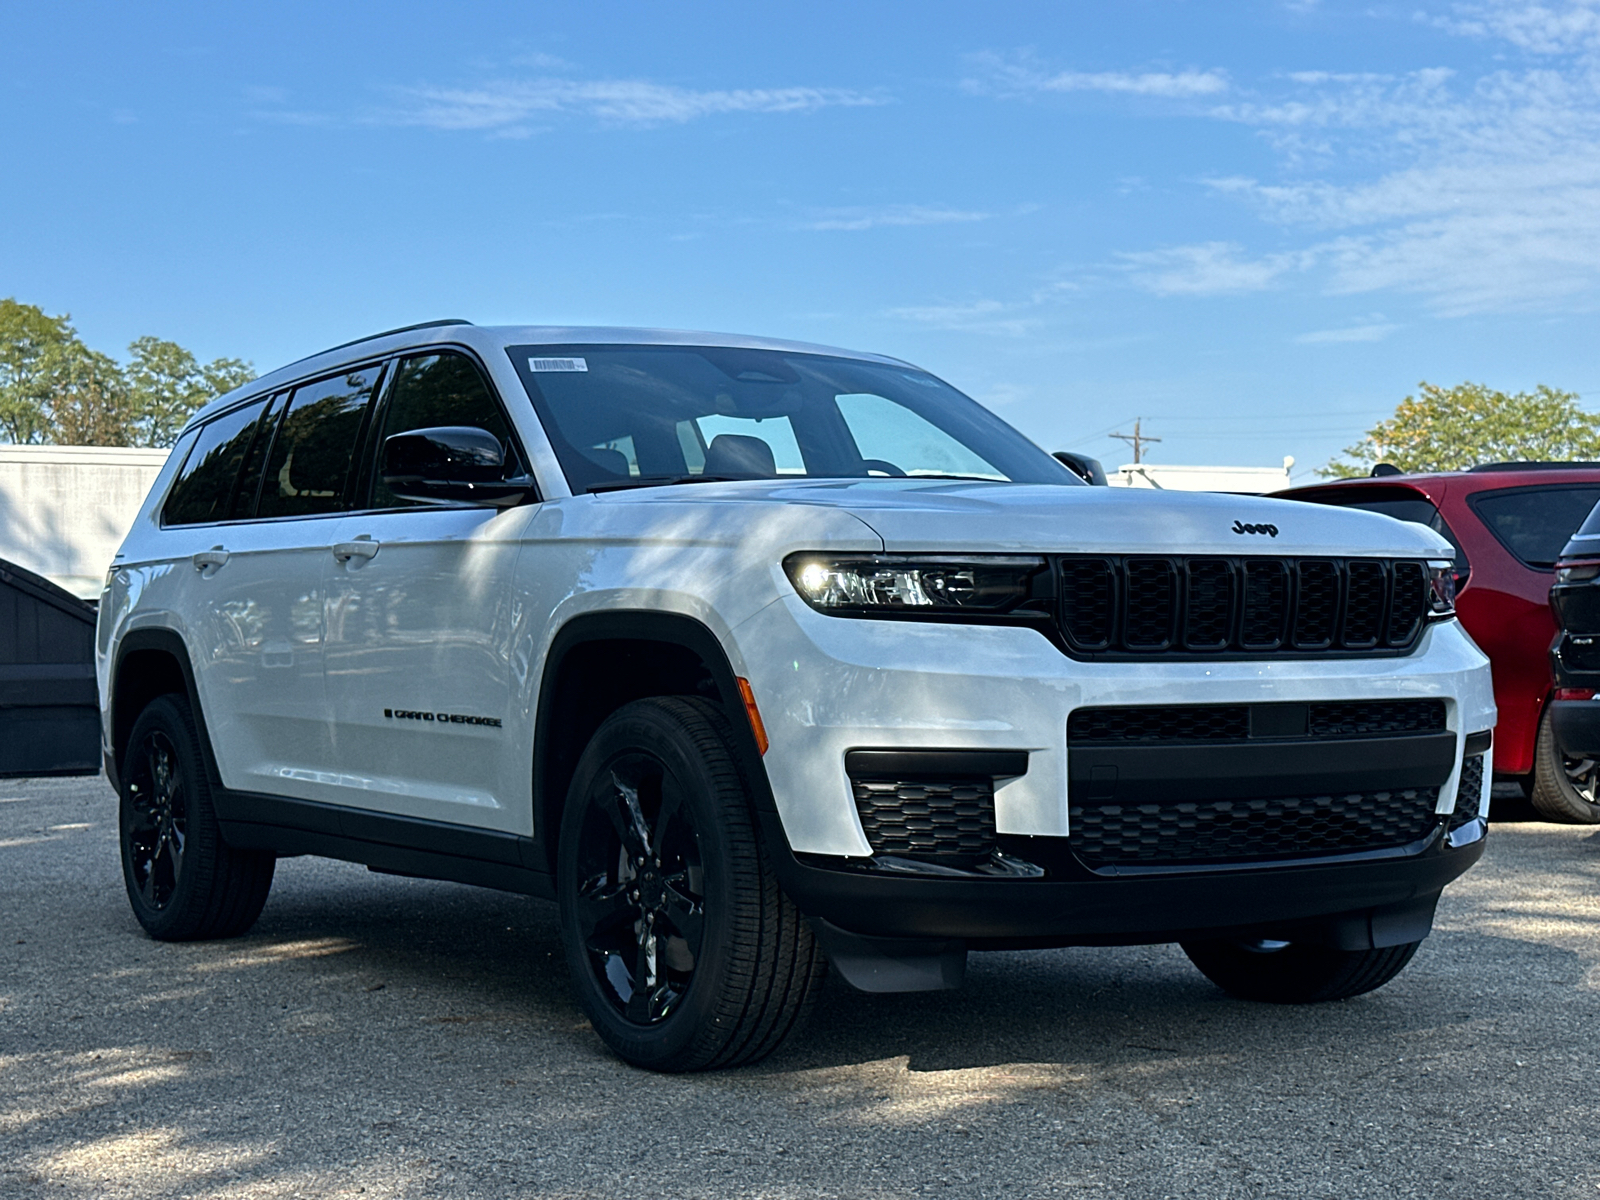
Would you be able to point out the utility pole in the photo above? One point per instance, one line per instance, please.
(1136, 439)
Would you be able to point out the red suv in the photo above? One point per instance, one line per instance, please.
(1508, 523)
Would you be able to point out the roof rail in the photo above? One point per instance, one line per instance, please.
(400, 329)
(1531, 466)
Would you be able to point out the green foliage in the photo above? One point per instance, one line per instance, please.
(53, 388)
(1449, 429)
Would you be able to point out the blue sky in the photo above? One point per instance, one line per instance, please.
(1255, 225)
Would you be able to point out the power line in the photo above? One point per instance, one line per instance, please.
(1136, 439)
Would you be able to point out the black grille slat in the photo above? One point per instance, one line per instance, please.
(1266, 605)
(1208, 605)
(1088, 601)
(941, 820)
(1217, 605)
(1149, 604)
(1469, 793)
(1317, 606)
(1245, 830)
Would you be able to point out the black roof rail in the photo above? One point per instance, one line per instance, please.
(1530, 466)
(401, 329)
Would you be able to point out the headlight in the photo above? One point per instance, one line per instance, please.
(1441, 591)
(912, 584)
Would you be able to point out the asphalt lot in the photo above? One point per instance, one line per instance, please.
(394, 1037)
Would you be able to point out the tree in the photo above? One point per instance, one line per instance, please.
(167, 384)
(1449, 429)
(53, 388)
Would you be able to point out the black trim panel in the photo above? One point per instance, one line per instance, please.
(1240, 771)
(398, 845)
(996, 764)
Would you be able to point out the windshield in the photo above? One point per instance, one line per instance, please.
(632, 416)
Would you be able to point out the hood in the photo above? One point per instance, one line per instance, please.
(911, 515)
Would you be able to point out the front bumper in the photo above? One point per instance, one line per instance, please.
(827, 686)
(1345, 903)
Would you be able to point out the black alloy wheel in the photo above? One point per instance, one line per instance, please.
(641, 897)
(184, 881)
(159, 820)
(682, 948)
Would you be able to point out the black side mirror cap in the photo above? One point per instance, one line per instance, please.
(451, 463)
(1085, 468)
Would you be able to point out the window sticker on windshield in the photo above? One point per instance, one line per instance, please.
(557, 364)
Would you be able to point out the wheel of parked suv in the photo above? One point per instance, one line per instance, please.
(683, 950)
(184, 882)
(1564, 789)
(1293, 972)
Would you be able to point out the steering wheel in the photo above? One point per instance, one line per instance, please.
(888, 468)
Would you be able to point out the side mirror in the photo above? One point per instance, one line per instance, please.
(1085, 468)
(452, 462)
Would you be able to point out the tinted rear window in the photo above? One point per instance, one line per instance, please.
(1535, 523)
(205, 485)
(315, 444)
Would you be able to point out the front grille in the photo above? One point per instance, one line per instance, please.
(1469, 795)
(1374, 718)
(1237, 722)
(949, 821)
(1246, 830)
(1139, 606)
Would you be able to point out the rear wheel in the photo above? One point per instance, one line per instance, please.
(1564, 789)
(184, 882)
(1295, 973)
(683, 951)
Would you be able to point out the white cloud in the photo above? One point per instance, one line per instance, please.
(890, 215)
(1020, 75)
(1372, 331)
(1207, 269)
(1540, 28)
(977, 316)
(508, 104)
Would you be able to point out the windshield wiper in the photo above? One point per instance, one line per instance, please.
(633, 481)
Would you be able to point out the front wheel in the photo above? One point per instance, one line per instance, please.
(1564, 789)
(184, 882)
(683, 950)
(1293, 972)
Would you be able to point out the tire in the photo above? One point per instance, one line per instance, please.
(184, 882)
(1293, 972)
(661, 875)
(1565, 789)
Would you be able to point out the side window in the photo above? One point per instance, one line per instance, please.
(311, 455)
(244, 495)
(433, 390)
(1535, 523)
(205, 484)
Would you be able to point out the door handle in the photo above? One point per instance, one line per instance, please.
(209, 562)
(363, 548)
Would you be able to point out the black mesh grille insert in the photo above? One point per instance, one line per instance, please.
(1171, 723)
(950, 821)
(1231, 722)
(1244, 830)
(1216, 605)
(1374, 718)
(1086, 608)
(1469, 795)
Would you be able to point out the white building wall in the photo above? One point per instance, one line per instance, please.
(64, 510)
(1254, 480)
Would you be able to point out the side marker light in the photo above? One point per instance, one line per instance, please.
(754, 713)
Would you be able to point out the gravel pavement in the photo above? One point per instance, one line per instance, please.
(394, 1037)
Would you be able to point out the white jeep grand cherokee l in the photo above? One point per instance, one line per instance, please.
(755, 656)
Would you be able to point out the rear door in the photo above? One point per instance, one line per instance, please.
(420, 622)
(258, 633)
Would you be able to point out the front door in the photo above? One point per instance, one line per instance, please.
(419, 627)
